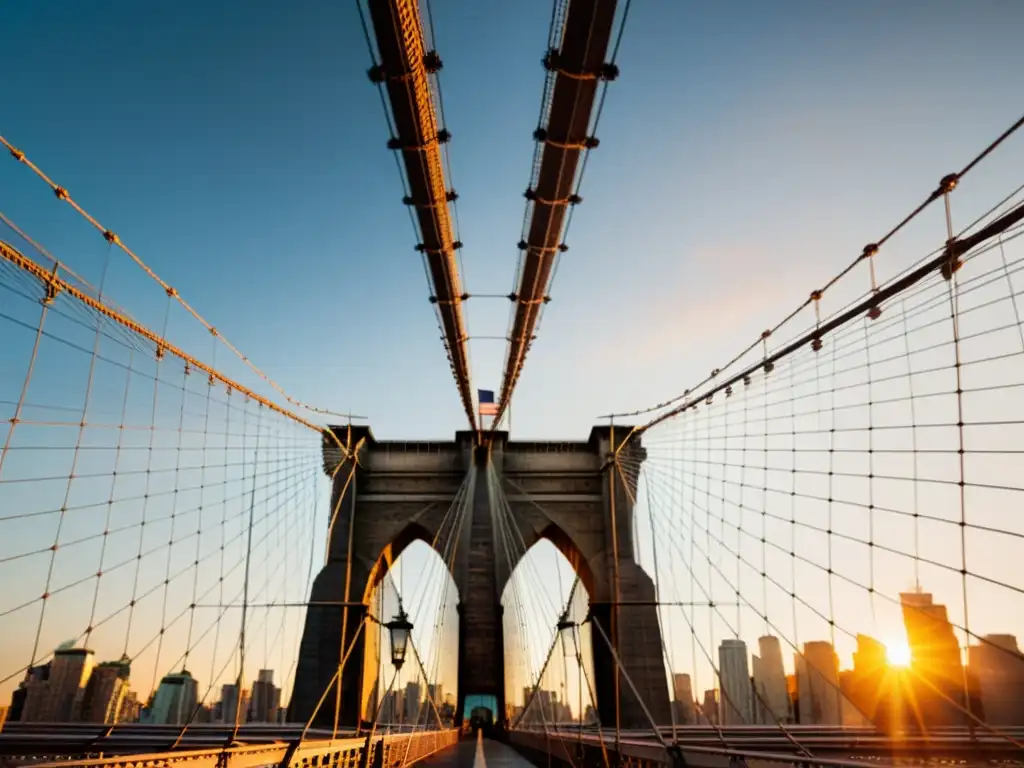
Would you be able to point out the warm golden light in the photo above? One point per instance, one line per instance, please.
(898, 654)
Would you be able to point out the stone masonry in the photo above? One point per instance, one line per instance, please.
(400, 491)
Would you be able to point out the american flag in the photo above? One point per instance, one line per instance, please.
(487, 405)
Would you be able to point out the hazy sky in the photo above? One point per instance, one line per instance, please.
(747, 153)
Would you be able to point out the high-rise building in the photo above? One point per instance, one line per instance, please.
(105, 691)
(770, 682)
(734, 680)
(231, 708)
(266, 698)
(850, 714)
(36, 679)
(876, 690)
(131, 708)
(391, 709)
(998, 666)
(682, 699)
(435, 692)
(817, 675)
(759, 696)
(709, 708)
(175, 699)
(413, 699)
(433, 700)
(57, 697)
(939, 687)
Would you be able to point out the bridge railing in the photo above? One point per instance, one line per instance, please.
(708, 747)
(384, 751)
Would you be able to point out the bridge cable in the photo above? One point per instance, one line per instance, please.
(797, 598)
(119, 467)
(867, 255)
(518, 347)
(113, 239)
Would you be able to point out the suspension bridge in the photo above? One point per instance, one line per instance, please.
(199, 568)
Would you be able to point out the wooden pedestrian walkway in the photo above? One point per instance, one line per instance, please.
(483, 753)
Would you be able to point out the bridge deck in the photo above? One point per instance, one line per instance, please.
(483, 753)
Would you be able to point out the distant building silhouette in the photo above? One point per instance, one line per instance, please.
(131, 708)
(175, 699)
(938, 682)
(874, 689)
(35, 678)
(391, 709)
(709, 708)
(997, 665)
(266, 698)
(682, 699)
(413, 702)
(55, 696)
(232, 706)
(817, 675)
(770, 703)
(105, 692)
(734, 705)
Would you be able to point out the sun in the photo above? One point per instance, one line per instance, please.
(898, 654)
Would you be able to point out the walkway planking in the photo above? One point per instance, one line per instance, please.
(484, 753)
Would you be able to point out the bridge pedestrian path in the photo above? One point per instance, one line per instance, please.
(483, 753)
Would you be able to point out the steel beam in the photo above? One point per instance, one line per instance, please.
(403, 70)
(578, 66)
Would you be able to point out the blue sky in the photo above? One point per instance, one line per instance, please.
(747, 153)
(239, 148)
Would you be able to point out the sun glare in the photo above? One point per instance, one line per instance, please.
(898, 654)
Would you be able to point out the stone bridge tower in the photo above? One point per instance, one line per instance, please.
(400, 491)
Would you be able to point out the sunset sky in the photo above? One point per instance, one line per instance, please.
(748, 152)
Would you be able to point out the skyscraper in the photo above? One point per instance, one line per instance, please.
(413, 697)
(266, 698)
(709, 707)
(998, 666)
(391, 709)
(58, 697)
(935, 652)
(175, 699)
(682, 699)
(23, 702)
(131, 708)
(875, 689)
(734, 706)
(771, 682)
(817, 674)
(230, 705)
(105, 691)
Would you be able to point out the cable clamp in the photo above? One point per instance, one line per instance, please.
(947, 184)
(590, 142)
(531, 195)
(52, 291)
(552, 62)
(448, 302)
(432, 62)
(951, 262)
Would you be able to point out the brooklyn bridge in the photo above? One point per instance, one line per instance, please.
(807, 553)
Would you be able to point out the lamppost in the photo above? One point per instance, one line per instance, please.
(399, 629)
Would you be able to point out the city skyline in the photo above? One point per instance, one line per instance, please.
(885, 687)
(799, 504)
